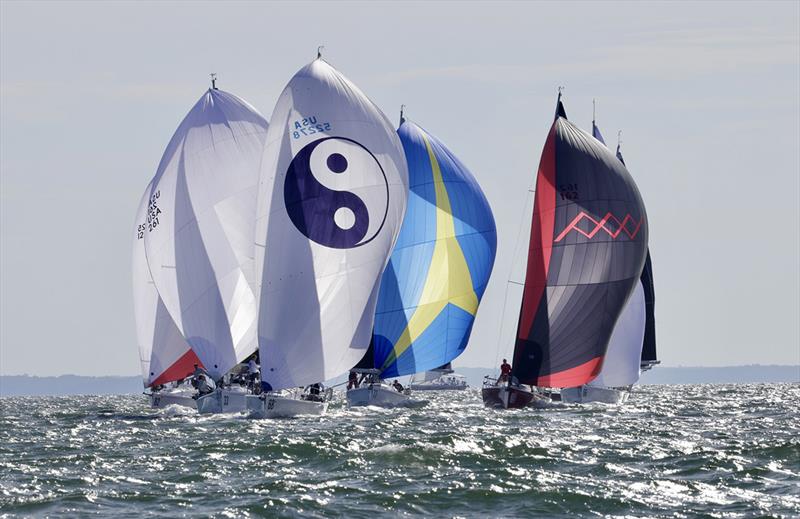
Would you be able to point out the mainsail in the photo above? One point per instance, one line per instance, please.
(198, 236)
(332, 195)
(587, 249)
(440, 265)
(164, 354)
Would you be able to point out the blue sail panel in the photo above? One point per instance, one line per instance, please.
(441, 263)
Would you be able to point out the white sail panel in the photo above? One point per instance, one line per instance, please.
(164, 354)
(621, 365)
(200, 227)
(333, 192)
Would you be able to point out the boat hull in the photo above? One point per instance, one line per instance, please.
(376, 395)
(161, 400)
(505, 397)
(588, 394)
(276, 406)
(223, 401)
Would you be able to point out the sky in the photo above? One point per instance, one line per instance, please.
(707, 96)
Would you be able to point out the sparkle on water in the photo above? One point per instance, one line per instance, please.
(671, 451)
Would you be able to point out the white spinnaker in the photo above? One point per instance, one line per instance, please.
(161, 345)
(199, 238)
(624, 354)
(325, 249)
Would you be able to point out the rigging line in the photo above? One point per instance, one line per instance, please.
(521, 225)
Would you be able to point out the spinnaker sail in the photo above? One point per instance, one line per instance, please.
(164, 354)
(200, 223)
(441, 263)
(332, 195)
(587, 248)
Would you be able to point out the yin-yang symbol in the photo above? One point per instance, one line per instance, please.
(336, 193)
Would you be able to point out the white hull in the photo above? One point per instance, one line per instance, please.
(587, 394)
(224, 401)
(161, 399)
(374, 394)
(276, 406)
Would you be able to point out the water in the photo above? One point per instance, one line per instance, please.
(671, 451)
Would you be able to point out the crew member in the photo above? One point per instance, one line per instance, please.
(352, 380)
(505, 371)
(398, 386)
(252, 371)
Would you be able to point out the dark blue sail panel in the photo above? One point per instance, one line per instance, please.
(441, 263)
(596, 133)
(649, 346)
(587, 248)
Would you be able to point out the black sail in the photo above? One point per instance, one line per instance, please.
(649, 356)
(587, 249)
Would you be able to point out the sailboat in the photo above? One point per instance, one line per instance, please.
(198, 239)
(587, 248)
(332, 195)
(623, 361)
(439, 379)
(437, 274)
(164, 354)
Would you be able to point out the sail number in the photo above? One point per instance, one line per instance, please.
(309, 126)
(568, 191)
(151, 222)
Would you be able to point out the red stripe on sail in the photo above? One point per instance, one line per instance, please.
(541, 244)
(572, 377)
(181, 368)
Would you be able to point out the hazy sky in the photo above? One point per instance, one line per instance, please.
(707, 95)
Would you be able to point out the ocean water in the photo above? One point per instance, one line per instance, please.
(671, 451)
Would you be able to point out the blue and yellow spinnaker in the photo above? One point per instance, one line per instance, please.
(440, 265)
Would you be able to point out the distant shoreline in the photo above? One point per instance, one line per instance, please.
(27, 385)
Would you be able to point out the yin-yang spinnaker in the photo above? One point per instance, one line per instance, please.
(332, 195)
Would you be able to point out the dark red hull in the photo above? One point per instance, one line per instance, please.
(503, 397)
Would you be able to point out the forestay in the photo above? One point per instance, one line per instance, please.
(164, 354)
(587, 248)
(332, 196)
(441, 264)
(200, 227)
